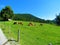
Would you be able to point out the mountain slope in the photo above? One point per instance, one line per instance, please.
(27, 17)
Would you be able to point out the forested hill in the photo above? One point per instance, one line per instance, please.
(27, 17)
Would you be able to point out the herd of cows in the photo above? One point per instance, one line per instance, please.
(29, 24)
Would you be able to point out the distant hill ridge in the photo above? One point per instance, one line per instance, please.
(27, 17)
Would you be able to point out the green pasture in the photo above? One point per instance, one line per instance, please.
(32, 35)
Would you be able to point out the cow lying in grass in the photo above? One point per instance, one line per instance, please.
(41, 24)
(20, 23)
(30, 24)
(15, 23)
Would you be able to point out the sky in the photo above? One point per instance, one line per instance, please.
(45, 9)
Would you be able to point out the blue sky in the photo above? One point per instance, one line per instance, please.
(45, 9)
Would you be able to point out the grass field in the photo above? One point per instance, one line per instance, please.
(32, 35)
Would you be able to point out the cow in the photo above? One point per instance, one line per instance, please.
(30, 24)
(41, 24)
(20, 23)
(15, 23)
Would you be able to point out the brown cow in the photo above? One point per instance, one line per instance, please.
(41, 24)
(30, 24)
(20, 23)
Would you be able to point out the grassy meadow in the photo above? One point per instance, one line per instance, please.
(32, 35)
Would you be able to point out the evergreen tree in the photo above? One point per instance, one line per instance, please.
(58, 19)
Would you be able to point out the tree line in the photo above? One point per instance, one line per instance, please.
(7, 13)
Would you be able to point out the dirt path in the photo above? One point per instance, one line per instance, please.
(3, 39)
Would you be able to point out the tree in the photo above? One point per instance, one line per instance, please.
(57, 19)
(7, 13)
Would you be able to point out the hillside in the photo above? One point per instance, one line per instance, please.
(32, 35)
(27, 17)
